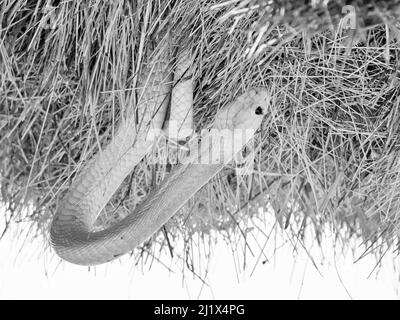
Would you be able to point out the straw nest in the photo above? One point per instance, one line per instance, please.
(326, 154)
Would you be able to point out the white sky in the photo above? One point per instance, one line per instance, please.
(38, 275)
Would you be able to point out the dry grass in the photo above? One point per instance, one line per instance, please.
(327, 153)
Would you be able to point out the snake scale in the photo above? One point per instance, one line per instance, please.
(71, 232)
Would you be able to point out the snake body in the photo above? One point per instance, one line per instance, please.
(71, 232)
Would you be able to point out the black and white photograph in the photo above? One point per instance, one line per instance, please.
(202, 150)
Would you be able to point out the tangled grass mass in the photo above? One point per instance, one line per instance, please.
(327, 153)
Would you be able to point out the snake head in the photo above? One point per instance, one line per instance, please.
(245, 112)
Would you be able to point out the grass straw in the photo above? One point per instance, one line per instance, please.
(326, 155)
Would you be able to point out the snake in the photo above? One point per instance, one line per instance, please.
(72, 233)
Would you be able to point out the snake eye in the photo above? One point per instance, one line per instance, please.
(259, 110)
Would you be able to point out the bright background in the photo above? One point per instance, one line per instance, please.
(290, 274)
